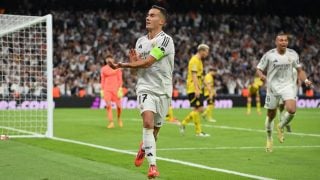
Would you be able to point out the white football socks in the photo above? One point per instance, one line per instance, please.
(285, 119)
(149, 145)
(269, 127)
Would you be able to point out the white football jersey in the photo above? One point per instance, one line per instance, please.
(279, 69)
(158, 77)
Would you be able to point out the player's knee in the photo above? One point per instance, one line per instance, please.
(271, 114)
(291, 110)
(148, 124)
(108, 105)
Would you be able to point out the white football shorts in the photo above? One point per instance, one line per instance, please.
(158, 104)
(272, 100)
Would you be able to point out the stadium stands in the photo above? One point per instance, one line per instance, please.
(237, 40)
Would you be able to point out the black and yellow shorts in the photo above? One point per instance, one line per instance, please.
(195, 101)
(209, 100)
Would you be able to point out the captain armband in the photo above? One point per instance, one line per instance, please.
(157, 53)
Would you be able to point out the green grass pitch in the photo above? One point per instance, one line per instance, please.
(236, 145)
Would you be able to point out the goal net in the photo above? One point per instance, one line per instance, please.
(26, 103)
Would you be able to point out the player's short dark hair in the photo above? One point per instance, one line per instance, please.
(162, 10)
(109, 56)
(282, 34)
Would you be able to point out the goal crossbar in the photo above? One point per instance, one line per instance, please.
(23, 25)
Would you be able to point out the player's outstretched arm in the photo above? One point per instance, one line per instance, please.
(261, 75)
(303, 77)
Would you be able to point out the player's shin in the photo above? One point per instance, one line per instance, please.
(248, 108)
(197, 122)
(170, 114)
(187, 119)
(286, 119)
(119, 111)
(269, 127)
(209, 111)
(259, 107)
(149, 145)
(109, 113)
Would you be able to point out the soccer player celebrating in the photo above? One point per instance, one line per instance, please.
(278, 63)
(209, 94)
(111, 85)
(194, 89)
(154, 58)
(281, 103)
(253, 90)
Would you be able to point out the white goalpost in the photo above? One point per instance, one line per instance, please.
(26, 103)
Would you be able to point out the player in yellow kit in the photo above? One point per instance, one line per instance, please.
(253, 90)
(170, 116)
(194, 90)
(209, 94)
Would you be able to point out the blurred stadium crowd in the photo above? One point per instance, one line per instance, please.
(82, 39)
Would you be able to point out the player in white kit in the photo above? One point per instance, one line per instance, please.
(153, 56)
(278, 64)
(281, 102)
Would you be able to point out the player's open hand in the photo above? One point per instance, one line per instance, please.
(133, 55)
(307, 83)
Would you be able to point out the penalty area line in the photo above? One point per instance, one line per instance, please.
(163, 159)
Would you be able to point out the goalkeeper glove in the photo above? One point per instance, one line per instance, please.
(120, 93)
(101, 94)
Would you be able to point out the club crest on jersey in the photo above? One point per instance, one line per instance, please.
(289, 60)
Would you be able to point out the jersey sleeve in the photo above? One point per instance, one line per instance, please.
(263, 62)
(208, 79)
(137, 43)
(193, 65)
(163, 47)
(296, 63)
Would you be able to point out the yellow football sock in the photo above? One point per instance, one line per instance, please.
(209, 111)
(204, 114)
(197, 122)
(170, 114)
(248, 108)
(258, 107)
(187, 119)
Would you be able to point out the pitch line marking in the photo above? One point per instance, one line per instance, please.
(231, 148)
(242, 129)
(257, 130)
(164, 159)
